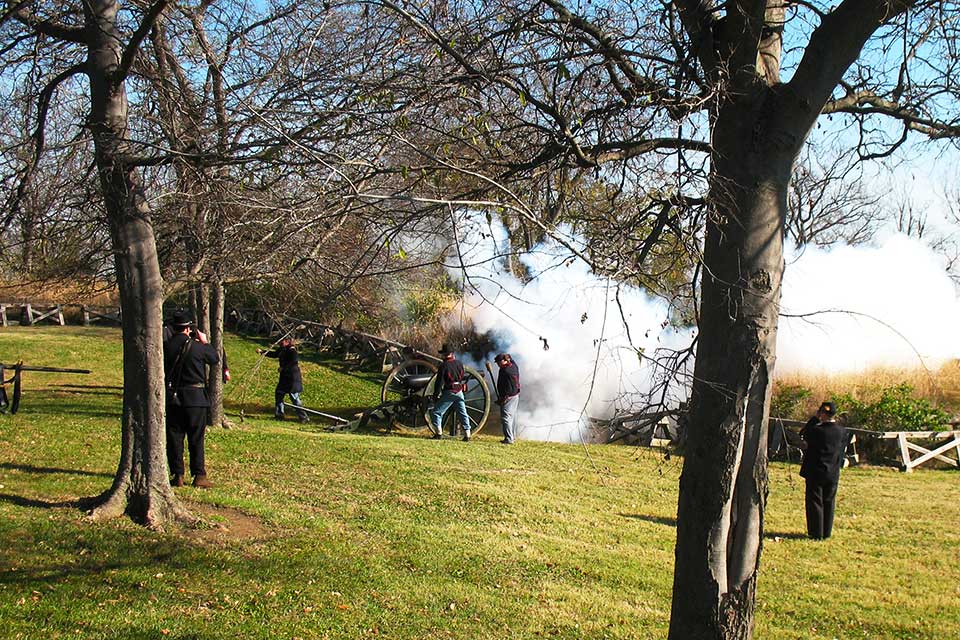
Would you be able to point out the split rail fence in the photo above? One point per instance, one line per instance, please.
(33, 313)
(358, 349)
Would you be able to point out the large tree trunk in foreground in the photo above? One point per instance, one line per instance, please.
(141, 487)
(723, 487)
(758, 127)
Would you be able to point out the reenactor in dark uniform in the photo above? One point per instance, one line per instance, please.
(291, 380)
(822, 460)
(508, 395)
(186, 359)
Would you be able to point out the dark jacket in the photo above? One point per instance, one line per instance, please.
(291, 381)
(450, 375)
(508, 381)
(826, 445)
(193, 371)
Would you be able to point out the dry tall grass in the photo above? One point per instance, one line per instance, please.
(59, 293)
(941, 386)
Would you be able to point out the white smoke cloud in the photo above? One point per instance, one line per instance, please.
(902, 307)
(907, 308)
(590, 363)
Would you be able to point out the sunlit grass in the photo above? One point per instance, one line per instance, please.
(363, 536)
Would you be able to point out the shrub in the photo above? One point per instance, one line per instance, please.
(895, 410)
(426, 304)
(789, 401)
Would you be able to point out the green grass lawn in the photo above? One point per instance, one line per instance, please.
(338, 535)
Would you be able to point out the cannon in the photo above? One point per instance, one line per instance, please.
(408, 390)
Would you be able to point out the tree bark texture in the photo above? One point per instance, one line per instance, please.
(203, 307)
(723, 486)
(215, 381)
(758, 126)
(141, 487)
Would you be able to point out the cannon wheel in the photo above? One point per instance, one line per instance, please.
(409, 404)
(477, 397)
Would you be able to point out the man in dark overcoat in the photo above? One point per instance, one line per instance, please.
(186, 359)
(826, 444)
(508, 394)
(291, 380)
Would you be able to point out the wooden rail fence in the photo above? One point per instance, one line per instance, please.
(32, 313)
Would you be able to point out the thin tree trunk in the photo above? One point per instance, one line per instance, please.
(215, 382)
(203, 307)
(192, 304)
(29, 239)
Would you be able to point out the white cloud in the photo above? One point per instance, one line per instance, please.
(902, 306)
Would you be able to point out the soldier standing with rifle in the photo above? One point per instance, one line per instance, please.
(185, 359)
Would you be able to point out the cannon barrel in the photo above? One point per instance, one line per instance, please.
(417, 382)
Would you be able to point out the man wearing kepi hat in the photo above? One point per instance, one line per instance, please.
(448, 392)
(185, 361)
(826, 443)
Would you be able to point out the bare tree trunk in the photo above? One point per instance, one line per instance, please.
(28, 236)
(215, 382)
(723, 487)
(141, 487)
(203, 307)
(192, 300)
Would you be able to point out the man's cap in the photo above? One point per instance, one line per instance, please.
(828, 408)
(500, 357)
(445, 349)
(180, 319)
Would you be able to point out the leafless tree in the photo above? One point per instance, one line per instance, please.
(99, 40)
(707, 105)
(911, 218)
(49, 226)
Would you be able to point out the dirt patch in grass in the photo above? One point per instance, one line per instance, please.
(226, 524)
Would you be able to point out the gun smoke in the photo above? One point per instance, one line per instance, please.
(843, 309)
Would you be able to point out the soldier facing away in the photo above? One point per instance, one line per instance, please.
(186, 359)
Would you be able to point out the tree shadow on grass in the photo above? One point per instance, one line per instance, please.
(56, 573)
(668, 522)
(81, 504)
(28, 468)
(793, 535)
(87, 389)
(52, 406)
(672, 522)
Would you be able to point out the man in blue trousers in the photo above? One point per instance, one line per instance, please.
(448, 392)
